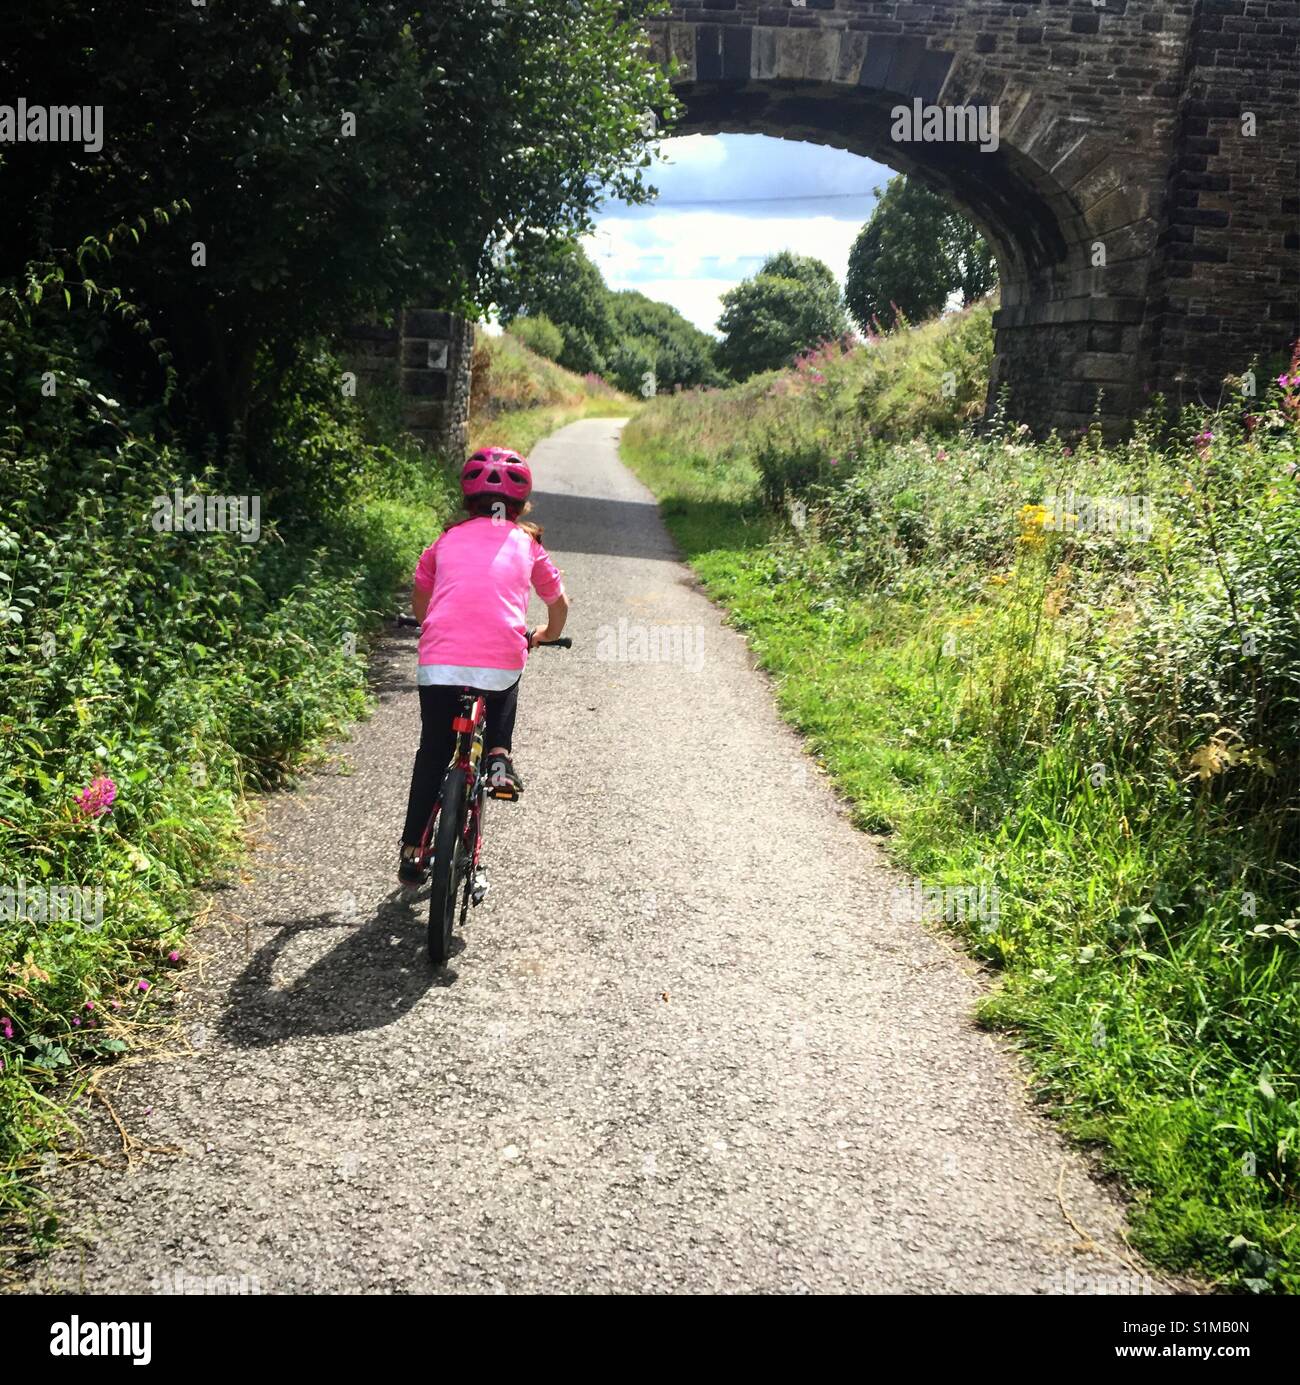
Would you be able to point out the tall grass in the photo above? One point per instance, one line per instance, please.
(519, 397)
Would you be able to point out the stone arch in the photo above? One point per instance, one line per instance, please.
(1057, 194)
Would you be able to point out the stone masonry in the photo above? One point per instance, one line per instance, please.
(1144, 196)
(425, 358)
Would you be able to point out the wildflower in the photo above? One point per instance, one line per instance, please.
(144, 985)
(97, 797)
(1067, 452)
(90, 1005)
(941, 455)
(76, 1019)
(1033, 518)
(1203, 440)
(8, 1025)
(173, 956)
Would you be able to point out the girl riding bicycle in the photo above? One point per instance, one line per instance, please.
(471, 593)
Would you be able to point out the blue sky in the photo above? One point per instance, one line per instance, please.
(726, 202)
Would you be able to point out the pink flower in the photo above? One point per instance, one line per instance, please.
(173, 956)
(941, 455)
(90, 1005)
(835, 461)
(1067, 452)
(97, 797)
(144, 985)
(8, 1026)
(76, 1019)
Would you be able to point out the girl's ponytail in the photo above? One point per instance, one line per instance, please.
(485, 507)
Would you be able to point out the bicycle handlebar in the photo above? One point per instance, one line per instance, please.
(564, 642)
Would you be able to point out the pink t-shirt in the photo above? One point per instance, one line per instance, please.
(479, 573)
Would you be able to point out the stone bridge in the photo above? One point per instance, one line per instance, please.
(1143, 200)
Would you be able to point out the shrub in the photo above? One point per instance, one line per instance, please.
(540, 335)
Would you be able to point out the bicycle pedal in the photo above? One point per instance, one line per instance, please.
(505, 795)
(478, 890)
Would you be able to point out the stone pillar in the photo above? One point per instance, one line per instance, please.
(1227, 278)
(437, 349)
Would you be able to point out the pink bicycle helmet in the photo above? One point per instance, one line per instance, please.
(496, 471)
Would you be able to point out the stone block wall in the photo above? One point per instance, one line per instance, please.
(426, 357)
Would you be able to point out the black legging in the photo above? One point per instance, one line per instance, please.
(438, 704)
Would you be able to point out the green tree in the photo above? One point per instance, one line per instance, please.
(555, 278)
(681, 353)
(625, 335)
(337, 157)
(791, 304)
(539, 334)
(912, 255)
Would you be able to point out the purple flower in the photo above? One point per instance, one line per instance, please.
(8, 1026)
(173, 956)
(97, 797)
(144, 985)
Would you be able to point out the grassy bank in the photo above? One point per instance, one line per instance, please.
(1082, 714)
(520, 397)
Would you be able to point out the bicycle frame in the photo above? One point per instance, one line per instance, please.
(467, 755)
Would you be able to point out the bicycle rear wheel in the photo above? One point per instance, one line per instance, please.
(450, 865)
(473, 833)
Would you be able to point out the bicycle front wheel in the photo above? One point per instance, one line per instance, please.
(450, 865)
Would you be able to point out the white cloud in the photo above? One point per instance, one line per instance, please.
(689, 151)
(690, 258)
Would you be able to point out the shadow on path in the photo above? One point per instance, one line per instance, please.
(370, 979)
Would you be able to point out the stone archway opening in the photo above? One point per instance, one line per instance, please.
(1143, 200)
(1064, 339)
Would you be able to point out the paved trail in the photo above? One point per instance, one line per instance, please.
(683, 1048)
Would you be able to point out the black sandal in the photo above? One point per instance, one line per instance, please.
(409, 870)
(503, 779)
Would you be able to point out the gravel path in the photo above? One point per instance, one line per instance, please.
(684, 1046)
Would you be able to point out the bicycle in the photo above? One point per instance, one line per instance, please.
(451, 847)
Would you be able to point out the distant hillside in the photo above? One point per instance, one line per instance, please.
(518, 397)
